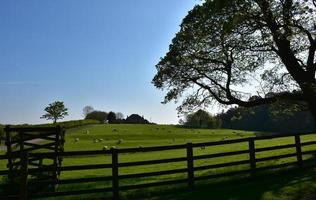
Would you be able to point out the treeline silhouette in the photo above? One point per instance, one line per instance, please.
(116, 118)
(271, 117)
(278, 117)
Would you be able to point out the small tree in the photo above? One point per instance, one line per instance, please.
(86, 110)
(111, 117)
(202, 119)
(55, 111)
(119, 115)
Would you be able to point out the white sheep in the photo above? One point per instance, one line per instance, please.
(76, 139)
(105, 148)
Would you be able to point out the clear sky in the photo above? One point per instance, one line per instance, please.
(85, 52)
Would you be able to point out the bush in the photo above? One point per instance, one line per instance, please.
(97, 115)
(66, 124)
(202, 119)
(76, 123)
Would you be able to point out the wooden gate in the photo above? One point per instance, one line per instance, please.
(21, 141)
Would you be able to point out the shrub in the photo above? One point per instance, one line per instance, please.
(97, 115)
(202, 119)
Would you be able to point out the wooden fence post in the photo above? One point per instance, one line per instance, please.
(115, 180)
(252, 156)
(23, 175)
(9, 152)
(298, 150)
(190, 165)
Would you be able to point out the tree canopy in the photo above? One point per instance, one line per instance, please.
(55, 111)
(97, 115)
(86, 110)
(111, 117)
(201, 119)
(230, 50)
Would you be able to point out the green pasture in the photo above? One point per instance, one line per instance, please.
(96, 137)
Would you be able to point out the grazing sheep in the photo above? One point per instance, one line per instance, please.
(95, 140)
(105, 148)
(100, 140)
(87, 132)
(240, 134)
(77, 140)
(120, 141)
(203, 148)
(113, 147)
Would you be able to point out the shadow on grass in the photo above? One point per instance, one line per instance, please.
(288, 186)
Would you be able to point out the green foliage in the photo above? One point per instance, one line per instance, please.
(136, 119)
(111, 117)
(65, 124)
(77, 123)
(227, 51)
(97, 115)
(86, 110)
(278, 117)
(202, 119)
(55, 111)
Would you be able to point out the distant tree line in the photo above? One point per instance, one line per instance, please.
(277, 117)
(112, 117)
(201, 119)
(274, 117)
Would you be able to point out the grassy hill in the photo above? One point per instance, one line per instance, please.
(143, 135)
(96, 137)
(122, 136)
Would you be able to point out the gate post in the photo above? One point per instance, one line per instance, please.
(115, 179)
(190, 165)
(24, 175)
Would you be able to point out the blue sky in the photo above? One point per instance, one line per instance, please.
(85, 52)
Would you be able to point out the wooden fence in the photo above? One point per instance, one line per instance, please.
(18, 141)
(190, 169)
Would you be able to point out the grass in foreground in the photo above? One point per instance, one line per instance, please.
(122, 136)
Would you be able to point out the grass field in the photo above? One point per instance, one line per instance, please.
(95, 137)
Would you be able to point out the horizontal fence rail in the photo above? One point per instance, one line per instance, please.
(189, 170)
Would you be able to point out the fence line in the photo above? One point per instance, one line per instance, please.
(190, 169)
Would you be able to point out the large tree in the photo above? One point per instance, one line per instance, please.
(55, 111)
(231, 50)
